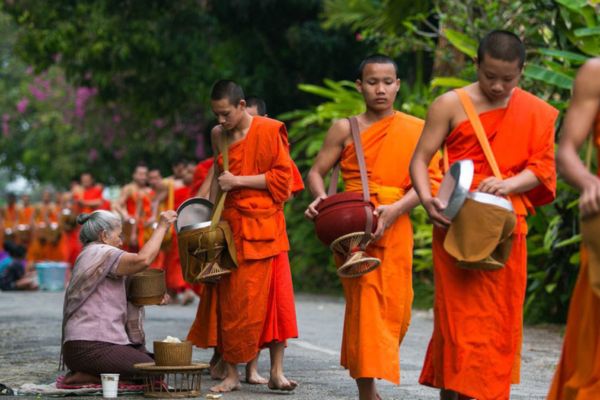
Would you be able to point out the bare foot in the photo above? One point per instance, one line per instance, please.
(229, 384)
(253, 377)
(218, 372)
(81, 378)
(282, 383)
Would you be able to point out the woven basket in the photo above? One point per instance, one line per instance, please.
(147, 287)
(173, 354)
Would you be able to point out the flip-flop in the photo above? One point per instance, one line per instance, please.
(5, 390)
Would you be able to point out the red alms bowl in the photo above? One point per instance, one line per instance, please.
(341, 214)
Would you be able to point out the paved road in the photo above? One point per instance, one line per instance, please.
(30, 334)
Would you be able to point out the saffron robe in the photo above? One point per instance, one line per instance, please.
(280, 323)
(40, 250)
(378, 304)
(200, 173)
(577, 376)
(139, 207)
(87, 194)
(258, 225)
(478, 315)
(173, 273)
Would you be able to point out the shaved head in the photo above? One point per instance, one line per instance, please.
(502, 45)
(375, 59)
(227, 89)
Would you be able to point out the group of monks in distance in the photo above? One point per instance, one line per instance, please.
(475, 348)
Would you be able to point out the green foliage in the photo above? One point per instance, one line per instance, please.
(150, 65)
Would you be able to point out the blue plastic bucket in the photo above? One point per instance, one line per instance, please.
(51, 275)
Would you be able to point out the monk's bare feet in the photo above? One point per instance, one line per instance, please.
(81, 378)
(280, 382)
(218, 372)
(252, 375)
(254, 378)
(231, 381)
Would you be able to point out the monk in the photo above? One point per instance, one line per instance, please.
(204, 331)
(202, 172)
(258, 181)
(10, 215)
(475, 348)
(88, 196)
(578, 374)
(47, 244)
(134, 205)
(378, 304)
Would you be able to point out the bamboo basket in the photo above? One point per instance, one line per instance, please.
(173, 354)
(147, 287)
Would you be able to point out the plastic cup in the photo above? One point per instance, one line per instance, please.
(110, 384)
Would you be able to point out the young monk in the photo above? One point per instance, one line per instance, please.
(88, 196)
(134, 205)
(378, 304)
(578, 374)
(204, 331)
(46, 243)
(258, 181)
(475, 348)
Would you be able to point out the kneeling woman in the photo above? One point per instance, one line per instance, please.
(102, 332)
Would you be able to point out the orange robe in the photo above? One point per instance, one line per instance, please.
(378, 304)
(173, 273)
(139, 207)
(280, 323)
(478, 315)
(91, 193)
(40, 250)
(258, 225)
(200, 173)
(578, 374)
(11, 216)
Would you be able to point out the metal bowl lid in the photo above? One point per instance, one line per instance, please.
(195, 226)
(491, 199)
(192, 212)
(455, 186)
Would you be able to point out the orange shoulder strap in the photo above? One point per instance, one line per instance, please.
(469, 108)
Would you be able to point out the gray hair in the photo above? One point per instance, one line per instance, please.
(93, 224)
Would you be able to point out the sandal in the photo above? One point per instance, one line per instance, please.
(5, 390)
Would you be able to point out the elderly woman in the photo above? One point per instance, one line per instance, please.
(102, 331)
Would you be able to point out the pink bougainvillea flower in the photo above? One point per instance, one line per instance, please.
(117, 118)
(359, 37)
(159, 123)
(22, 105)
(82, 95)
(93, 154)
(5, 126)
(37, 93)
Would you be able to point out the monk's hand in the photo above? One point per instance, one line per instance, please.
(386, 216)
(495, 186)
(434, 208)
(589, 201)
(166, 218)
(227, 181)
(311, 212)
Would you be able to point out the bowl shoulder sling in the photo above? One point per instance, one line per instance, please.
(362, 167)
